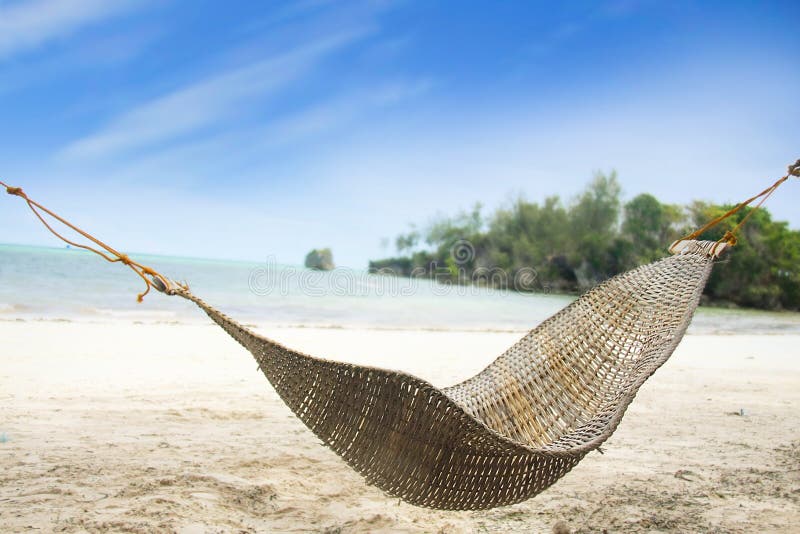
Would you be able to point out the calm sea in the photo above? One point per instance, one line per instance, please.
(64, 284)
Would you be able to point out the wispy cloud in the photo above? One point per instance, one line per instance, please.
(286, 13)
(340, 111)
(246, 152)
(29, 25)
(206, 102)
(113, 48)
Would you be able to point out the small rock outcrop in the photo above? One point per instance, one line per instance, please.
(320, 259)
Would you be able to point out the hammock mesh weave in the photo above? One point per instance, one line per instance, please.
(516, 427)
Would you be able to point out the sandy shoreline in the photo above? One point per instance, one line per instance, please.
(141, 428)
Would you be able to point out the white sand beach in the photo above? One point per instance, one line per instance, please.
(129, 427)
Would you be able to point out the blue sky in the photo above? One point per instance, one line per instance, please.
(245, 129)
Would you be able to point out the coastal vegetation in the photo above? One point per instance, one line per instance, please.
(571, 246)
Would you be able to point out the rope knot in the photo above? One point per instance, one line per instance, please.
(125, 259)
(729, 238)
(14, 191)
(794, 170)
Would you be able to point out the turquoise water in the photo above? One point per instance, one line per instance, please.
(65, 284)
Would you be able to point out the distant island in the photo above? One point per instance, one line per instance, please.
(320, 259)
(568, 248)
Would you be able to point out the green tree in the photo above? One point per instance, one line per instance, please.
(594, 218)
(649, 226)
(407, 241)
(444, 231)
(528, 235)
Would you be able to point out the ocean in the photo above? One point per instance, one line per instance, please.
(60, 284)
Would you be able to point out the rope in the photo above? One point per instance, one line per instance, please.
(157, 280)
(730, 235)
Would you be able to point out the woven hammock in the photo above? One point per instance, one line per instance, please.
(516, 427)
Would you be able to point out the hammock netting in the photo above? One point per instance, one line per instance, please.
(516, 427)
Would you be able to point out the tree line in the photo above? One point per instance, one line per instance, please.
(570, 247)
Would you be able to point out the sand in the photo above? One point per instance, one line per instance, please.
(129, 427)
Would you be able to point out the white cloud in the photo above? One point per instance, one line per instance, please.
(342, 110)
(205, 102)
(28, 25)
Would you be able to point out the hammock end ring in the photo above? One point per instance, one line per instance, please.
(160, 284)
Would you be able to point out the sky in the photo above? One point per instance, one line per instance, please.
(261, 130)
